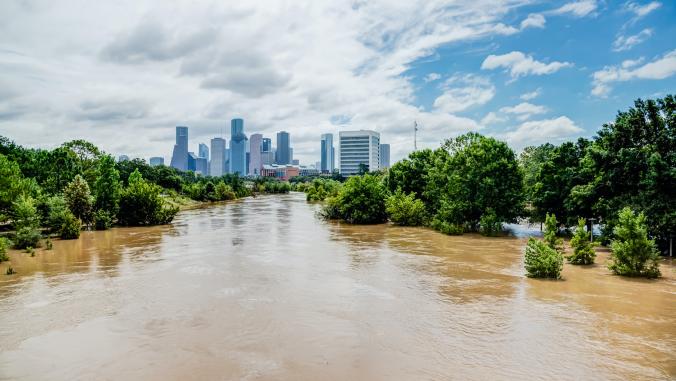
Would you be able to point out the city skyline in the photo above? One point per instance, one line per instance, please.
(525, 72)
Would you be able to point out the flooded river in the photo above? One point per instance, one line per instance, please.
(261, 289)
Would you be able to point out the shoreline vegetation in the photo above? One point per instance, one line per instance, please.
(622, 179)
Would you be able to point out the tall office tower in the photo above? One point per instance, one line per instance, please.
(327, 161)
(156, 160)
(237, 147)
(359, 148)
(217, 163)
(179, 158)
(203, 151)
(256, 151)
(201, 166)
(122, 158)
(290, 154)
(283, 145)
(384, 156)
(266, 145)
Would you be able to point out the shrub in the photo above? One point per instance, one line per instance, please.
(330, 209)
(405, 210)
(103, 220)
(48, 244)
(79, 199)
(633, 254)
(361, 200)
(10, 271)
(551, 229)
(56, 213)
(223, 192)
(542, 261)
(489, 225)
(70, 228)
(447, 227)
(4, 245)
(141, 204)
(583, 252)
(27, 237)
(319, 189)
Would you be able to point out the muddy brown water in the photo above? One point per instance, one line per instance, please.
(261, 289)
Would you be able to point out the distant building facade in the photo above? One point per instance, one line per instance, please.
(122, 158)
(384, 156)
(327, 162)
(217, 163)
(155, 161)
(283, 148)
(266, 145)
(203, 151)
(237, 147)
(179, 158)
(359, 148)
(256, 154)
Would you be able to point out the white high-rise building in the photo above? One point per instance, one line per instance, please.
(217, 163)
(357, 148)
(255, 158)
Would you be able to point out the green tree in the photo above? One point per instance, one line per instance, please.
(141, 203)
(550, 234)
(489, 224)
(223, 191)
(70, 226)
(541, 261)
(107, 186)
(79, 199)
(633, 254)
(583, 252)
(12, 185)
(411, 174)
(480, 174)
(26, 223)
(87, 155)
(4, 245)
(361, 200)
(404, 209)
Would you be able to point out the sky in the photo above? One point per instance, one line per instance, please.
(123, 74)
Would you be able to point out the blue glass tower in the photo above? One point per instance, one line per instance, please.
(237, 147)
(179, 158)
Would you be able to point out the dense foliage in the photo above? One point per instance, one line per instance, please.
(79, 199)
(141, 203)
(361, 200)
(4, 245)
(551, 233)
(404, 209)
(583, 251)
(319, 189)
(541, 261)
(26, 223)
(633, 254)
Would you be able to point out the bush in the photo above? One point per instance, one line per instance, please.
(224, 192)
(405, 210)
(79, 199)
(27, 237)
(142, 204)
(103, 220)
(633, 254)
(489, 225)
(583, 252)
(542, 261)
(56, 213)
(4, 245)
(447, 227)
(70, 228)
(361, 200)
(319, 189)
(330, 209)
(277, 187)
(551, 229)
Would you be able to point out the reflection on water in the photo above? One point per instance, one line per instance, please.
(260, 288)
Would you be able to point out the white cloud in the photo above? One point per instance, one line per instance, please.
(518, 64)
(524, 110)
(531, 95)
(580, 8)
(658, 69)
(622, 42)
(463, 92)
(279, 65)
(534, 20)
(540, 131)
(642, 10)
(491, 118)
(626, 64)
(431, 77)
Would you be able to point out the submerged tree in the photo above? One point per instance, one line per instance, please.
(404, 209)
(550, 234)
(541, 261)
(79, 199)
(633, 254)
(583, 252)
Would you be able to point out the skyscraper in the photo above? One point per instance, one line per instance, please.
(217, 163)
(266, 145)
(384, 156)
(327, 160)
(256, 159)
(179, 158)
(122, 158)
(283, 147)
(203, 151)
(359, 148)
(156, 160)
(237, 147)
